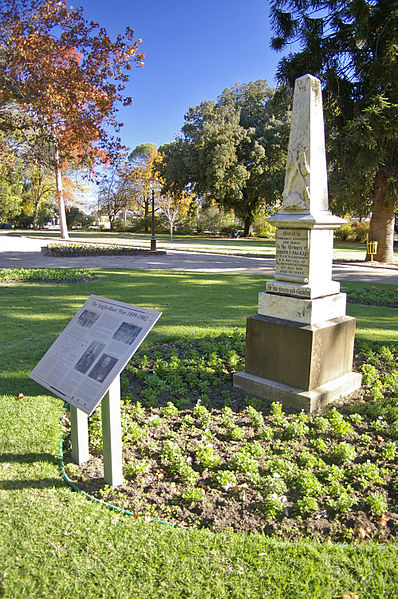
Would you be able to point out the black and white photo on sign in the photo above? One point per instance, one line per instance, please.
(89, 356)
(127, 333)
(87, 318)
(102, 368)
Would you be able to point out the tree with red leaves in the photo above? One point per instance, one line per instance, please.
(67, 75)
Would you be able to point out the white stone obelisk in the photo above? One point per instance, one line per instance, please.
(299, 346)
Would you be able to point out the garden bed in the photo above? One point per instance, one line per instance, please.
(72, 250)
(199, 453)
(45, 275)
(374, 296)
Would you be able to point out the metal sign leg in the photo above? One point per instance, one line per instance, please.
(112, 435)
(79, 433)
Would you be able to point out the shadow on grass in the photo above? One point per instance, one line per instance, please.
(28, 458)
(44, 483)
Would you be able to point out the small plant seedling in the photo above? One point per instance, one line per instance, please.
(296, 429)
(278, 415)
(137, 410)
(389, 451)
(205, 456)
(376, 503)
(226, 479)
(170, 409)
(256, 418)
(235, 433)
(134, 468)
(339, 426)
(343, 452)
(194, 495)
(272, 506)
(306, 506)
(307, 484)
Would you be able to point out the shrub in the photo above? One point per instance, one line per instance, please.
(355, 232)
(262, 228)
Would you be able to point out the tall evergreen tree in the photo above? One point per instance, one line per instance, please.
(351, 45)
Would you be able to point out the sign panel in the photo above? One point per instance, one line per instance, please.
(92, 350)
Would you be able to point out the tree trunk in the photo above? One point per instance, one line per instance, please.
(247, 227)
(382, 221)
(36, 214)
(146, 212)
(60, 196)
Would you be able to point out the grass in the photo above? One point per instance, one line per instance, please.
(53, 542)
(201, 243)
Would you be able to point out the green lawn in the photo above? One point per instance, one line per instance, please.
(202, 243)
(55, 543)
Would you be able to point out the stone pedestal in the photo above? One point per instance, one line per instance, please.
(304, 366)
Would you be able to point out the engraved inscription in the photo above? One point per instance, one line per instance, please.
(274, 287)
(292, 255)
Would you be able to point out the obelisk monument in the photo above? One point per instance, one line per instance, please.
(299, 347)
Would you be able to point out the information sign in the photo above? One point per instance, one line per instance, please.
(92, 350)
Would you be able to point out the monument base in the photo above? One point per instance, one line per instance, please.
(309, 401)
(310, 363)
(306, 311)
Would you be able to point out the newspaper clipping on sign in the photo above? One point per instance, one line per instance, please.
(92, 350)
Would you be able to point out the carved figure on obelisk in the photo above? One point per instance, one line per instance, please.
(296, 195)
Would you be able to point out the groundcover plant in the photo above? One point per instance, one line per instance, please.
(199, 453)
(85, 249)
(45, 274)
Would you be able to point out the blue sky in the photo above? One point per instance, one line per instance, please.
(194, 49)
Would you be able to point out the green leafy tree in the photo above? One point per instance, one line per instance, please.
(231, 150)
(39, 186)
(10, 195)
(76, 217)
(142, 152)
(351, 45)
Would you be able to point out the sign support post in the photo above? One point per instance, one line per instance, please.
(79, 434)
(112, 435)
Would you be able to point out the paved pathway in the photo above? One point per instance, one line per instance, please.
(17, 252)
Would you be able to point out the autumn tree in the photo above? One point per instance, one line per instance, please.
(140, 175)
(351, 45)
(231, 150)
(67, 74)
